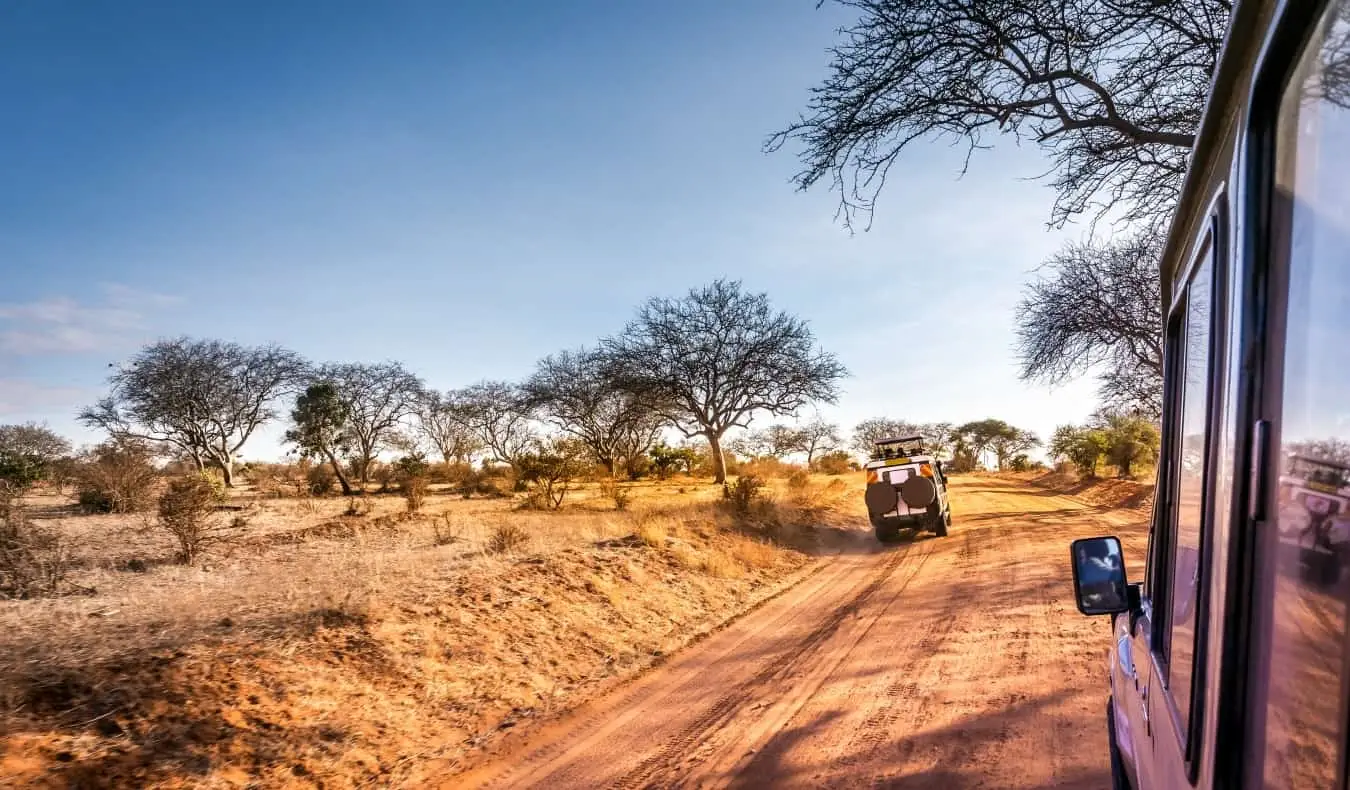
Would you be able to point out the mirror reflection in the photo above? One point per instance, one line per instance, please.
(1099, 576)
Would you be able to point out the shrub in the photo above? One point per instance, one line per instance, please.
(384, 474)
(799, 480)
(638, 467)
(835, 463)
(357, 506)
(479, 482)
(414, 492)
(321, 479)
(187, 511)
(507, 537)
(610, 489)
(550, 471)
(667, 460)
(1082, 446)
(33, 560)
(744, 495)
(117, 477)
(449, 534)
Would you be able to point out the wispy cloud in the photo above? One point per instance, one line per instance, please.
(62, 325)
(23, 398)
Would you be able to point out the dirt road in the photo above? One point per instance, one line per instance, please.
(941, 663)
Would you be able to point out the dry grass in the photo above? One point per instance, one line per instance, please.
(407, 633)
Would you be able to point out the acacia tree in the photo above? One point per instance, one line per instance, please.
(1082, 446)
(502, 416)
(572, 390)
(1099, 307)
(997, 437)
(776, 441)
(937, 436)
(711, 360)
(29, 453)
(1130, 439)
(447, 424)
(205, 397)
(1112, 92)
(321, 428)
(818, 437)
(870, 431)
(376, 398)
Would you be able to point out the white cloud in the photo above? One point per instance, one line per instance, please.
(61, 325)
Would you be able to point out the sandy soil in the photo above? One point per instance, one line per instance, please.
(940, 663)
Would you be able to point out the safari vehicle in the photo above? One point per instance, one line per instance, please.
(1229, 664)
(906, 489)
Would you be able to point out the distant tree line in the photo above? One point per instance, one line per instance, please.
(701, 364)
(966, 446)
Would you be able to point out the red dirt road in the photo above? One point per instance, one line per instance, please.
(943, 663)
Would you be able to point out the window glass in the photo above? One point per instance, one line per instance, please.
(1189, 488)
(1311, 534)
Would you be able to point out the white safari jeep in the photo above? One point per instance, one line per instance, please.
(906, 489)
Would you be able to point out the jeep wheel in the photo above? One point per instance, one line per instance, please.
(941, 529)
(887, 533)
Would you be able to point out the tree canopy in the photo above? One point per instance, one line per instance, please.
(572, 390)
(205, 397)
(1111, 90)
(1098, 307)
(714, 358)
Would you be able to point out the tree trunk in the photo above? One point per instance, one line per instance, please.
(337, 470)
(719, 460)
(227, 471)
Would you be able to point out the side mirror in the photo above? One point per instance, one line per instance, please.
(1099, 583)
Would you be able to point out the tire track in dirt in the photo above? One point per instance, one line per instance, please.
(953, 662)
(738, 757)
(804, 652)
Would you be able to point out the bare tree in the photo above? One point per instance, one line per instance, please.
(1332, 449)
(503, 418)
(1099, 306)
(940, 438)
(572, 390)
(1111, 90)
(205, 397)
(447, 425)
(376, 397)
(818, 437)
(711, 360)
(868, 432)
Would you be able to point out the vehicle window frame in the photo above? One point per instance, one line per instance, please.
(1209, 248)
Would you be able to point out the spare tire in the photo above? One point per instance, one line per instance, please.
(918, 492)
(881, 498)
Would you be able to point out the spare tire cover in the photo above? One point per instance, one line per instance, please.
(918, 492)
(881, 498)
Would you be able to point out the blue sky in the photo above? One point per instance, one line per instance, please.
(469, 189)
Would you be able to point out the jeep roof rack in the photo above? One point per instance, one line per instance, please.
(895, 447)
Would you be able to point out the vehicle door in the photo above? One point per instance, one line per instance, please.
(1298, 709)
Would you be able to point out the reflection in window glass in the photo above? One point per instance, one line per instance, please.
(1189, 489)
(1303, 727)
